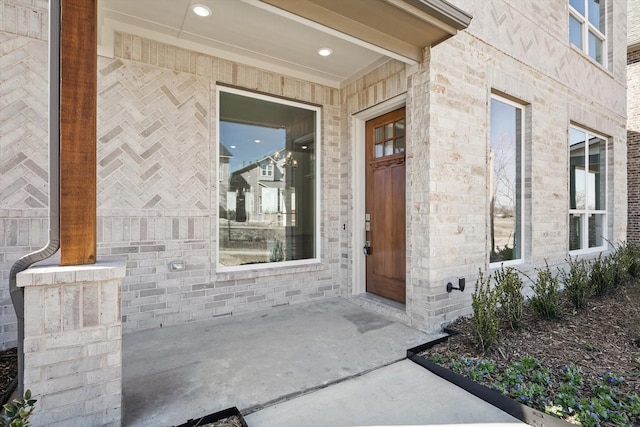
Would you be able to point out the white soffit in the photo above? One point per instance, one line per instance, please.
(268, 37)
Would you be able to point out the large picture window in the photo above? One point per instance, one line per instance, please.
(506, 157)
(268, 194)
(587, 190)
(587, 27)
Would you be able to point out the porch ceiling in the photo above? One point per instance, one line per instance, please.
(285, 35)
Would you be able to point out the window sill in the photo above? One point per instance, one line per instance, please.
(497, 264)
(268, 270)
(587, 252)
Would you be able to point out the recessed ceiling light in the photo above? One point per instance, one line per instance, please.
(233, 146)
(201, 10)
(325, 51)
(257, 141)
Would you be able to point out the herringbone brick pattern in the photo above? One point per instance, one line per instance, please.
(23, 157)
(538, 37)
(153, 138)
(23, 123)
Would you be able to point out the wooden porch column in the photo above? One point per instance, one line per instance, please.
(78, 94)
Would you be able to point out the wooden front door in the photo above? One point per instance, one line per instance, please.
(385, 222)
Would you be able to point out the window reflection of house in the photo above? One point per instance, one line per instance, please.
(263, 184)
(587, 190)
(224, 171)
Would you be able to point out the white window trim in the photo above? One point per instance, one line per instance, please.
(588, 26)
(523, 171)
(266, 170)
(605, 228)
(318, 178)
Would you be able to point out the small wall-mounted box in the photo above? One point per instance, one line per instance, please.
(178, 265)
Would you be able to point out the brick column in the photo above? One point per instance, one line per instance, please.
(73, 343)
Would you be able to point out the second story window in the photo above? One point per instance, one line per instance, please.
(267, 170)
(587, 27)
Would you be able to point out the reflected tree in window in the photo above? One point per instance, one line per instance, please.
(506, 180)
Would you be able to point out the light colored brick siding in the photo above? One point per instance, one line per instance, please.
(29, 18)
(156, 190)
(566, 87)
(73, 343)
(633, 135)
(633, 22)
(23, 143)
(447, 151)
(155, 98)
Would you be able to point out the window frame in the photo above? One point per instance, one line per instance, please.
(266, 170)
(317, 187)
(586, 28)
(584, 213)
(523, 171)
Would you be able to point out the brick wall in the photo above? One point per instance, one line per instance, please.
(633, 29)
(24, 190)
(28, 18)
(158, 196)
(633, 144)
(447, 100)
(156, 189)
(73, 343)
(156, 145)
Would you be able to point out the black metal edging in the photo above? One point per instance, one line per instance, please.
(512, 407)
(216, 416)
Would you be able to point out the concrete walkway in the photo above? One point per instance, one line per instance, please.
(329, 363)
(403, 393)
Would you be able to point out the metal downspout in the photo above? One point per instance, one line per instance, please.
(17, 294)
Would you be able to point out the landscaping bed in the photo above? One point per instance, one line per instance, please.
(230, 417)
(582, 365)
(8, 373)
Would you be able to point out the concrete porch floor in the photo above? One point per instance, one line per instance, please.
(324, 363)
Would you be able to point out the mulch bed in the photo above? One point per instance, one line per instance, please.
(8, 372)
(603, 337)
(232, 421)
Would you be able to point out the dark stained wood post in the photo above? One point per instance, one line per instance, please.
(78, 94)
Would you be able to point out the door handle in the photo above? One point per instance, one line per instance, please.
(367, 227)
(367, 248)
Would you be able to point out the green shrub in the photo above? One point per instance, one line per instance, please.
(17, 413)
(604, 275)
(277, 253)
(626, 255)
(485, 313)
(576, 282)
(622, 257)
(546, 299)
(634, 253)
(510, 296)
(504, 254)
